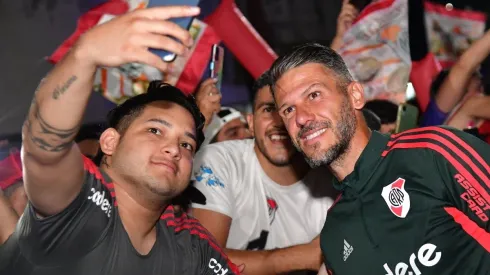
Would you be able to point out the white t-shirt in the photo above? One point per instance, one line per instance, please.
(265, 215)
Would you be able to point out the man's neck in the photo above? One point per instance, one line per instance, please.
(138, 210)
(283, 175)
(346, 163)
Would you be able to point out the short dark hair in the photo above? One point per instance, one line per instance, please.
(89, 132)
(311, 53)
(121, 117)
(261, 82)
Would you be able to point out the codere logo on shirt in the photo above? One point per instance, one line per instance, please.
(99, 199)
(425, 258)
(217, 267)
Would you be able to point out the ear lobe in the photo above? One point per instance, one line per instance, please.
(109, 141)
(250, 121)
(356, 92)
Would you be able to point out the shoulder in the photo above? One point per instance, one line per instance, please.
(232, 148)
(435, 139)
(227, 153)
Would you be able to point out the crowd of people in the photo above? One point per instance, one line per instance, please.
(315, 180)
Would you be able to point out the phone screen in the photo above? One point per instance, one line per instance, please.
(216, 64)
(183, 22)
(407, 117)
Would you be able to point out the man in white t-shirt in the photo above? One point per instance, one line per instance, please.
(261, 195)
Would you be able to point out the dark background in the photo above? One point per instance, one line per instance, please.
(30, 30)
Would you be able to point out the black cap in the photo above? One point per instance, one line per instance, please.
(159, 91)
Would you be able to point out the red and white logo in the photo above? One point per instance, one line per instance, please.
(272, 205)
(397, 198)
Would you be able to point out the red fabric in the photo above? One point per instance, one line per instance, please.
(485, 130)
(197, 63)
(86, 22)
(421, 76)
(241, 38)
(470, 227)
(10, 169)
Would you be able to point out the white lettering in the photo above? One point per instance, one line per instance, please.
(424, 255)
(425, 252)
(99, 199)
(216, 267)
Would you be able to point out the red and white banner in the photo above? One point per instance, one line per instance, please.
(118, 84)
(377, 52)
(451, 31)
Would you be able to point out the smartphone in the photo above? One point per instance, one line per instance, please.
(216, 64)
(183, 22)
(407, 117)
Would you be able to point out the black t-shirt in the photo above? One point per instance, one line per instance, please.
(88, 237)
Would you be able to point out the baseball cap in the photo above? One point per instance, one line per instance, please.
(160, 91)
(219, 120)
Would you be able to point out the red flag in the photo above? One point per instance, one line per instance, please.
(86, 22)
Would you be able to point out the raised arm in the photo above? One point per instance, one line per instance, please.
(454, 86)
(53, 166)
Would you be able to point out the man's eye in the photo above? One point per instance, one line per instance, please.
(288, 110)
(154, 131)
(313, 95)
(187, 146)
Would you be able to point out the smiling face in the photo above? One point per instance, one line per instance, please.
(270, 134)
(318, 111)
(157, 149)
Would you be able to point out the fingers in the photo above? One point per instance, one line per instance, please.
(146, 57)
(215, 97)
(349, 9)
(143, 25)
(208, 82)
(164, 13)
(156, 41)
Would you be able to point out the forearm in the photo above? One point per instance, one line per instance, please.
(8, 218)
(57, 108)
(454, 86)
(284, 260)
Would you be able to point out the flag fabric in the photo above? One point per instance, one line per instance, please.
(86, 22)
(452, 31)
(10, 169)
(376, 50)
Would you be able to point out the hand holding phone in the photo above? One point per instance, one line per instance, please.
(216, 64)
(183, 22)
(407, 117)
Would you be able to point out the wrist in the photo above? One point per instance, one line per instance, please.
(81, 54)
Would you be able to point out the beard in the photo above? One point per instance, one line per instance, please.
(277, 160)
(343, 132)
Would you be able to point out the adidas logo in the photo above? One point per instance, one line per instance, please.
(347, 250)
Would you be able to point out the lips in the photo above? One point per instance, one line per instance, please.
(313, 134)
(166, 164)
(278, 136)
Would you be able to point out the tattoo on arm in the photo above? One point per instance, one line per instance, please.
(44, 135)
(60, 90)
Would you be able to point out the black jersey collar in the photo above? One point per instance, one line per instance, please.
(366, 163)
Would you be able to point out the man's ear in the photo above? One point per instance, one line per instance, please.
(109, 141)
(250, 121)
(356, 95)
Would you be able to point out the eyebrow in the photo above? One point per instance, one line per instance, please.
(269, 103)
(305, 91)
(169, 125)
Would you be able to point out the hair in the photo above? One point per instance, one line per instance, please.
(386, 110)
(89, 132)
(121, 117)
(311, 53)
(263, 81)
(437, 82)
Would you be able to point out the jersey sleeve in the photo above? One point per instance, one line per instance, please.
(73, 232)
(212, 176)
(214, 261)
(464, 168)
